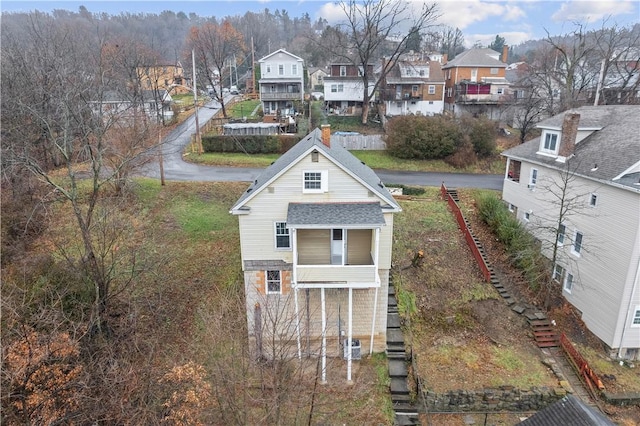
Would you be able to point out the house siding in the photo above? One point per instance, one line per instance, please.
(605, 271)
(257, 228)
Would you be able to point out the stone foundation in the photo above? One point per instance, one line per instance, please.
(503, 398)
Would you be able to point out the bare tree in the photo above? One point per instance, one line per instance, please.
(563, 196)
(60, 80)
(376, 28)
(214, 46)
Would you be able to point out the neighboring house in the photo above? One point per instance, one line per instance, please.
(167, 77)
(577, 188)
(569, 411)
(281, 84)
(316, 79)
(414, 86)
(475, 83)
(344, 89)
(119, 106)
(316, 229)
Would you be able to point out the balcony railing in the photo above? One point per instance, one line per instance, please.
(349, 275)
(482, 99)
(276, 96)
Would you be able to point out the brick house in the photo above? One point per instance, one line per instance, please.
(475, 83)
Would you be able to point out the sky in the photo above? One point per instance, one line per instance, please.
(479, 20)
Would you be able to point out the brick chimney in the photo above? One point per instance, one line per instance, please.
(505, 53)
(445, 58)
(326, 134)
(569, 134)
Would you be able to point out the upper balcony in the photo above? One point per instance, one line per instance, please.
(280, 96)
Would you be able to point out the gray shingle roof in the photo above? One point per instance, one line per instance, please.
(336, 153)
(475, 58)
(569, 411)
(614, 148)
(334, 214)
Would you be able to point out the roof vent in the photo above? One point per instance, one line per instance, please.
(595, 167)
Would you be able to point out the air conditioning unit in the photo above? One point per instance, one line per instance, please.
(355, 348)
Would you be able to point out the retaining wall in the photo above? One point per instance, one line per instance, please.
(503, 398)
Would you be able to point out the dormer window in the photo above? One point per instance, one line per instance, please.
(549, 143)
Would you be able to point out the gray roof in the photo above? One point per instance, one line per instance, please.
(614, 148)
(335, 153)
(334, 215)
(476, 58)
(569, 411)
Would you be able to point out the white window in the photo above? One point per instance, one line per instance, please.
(635, 322)
(568, 282)
(527, 216)
(474, 74)
(432, 89)
(561, 233)
(281, 69)
(340, 87)
(593, 200)
(512, 208)
(414, 89)
(533, 178)
(550, 142)
(268, 68)
(500, 91)
(558, 271)
(577, 243)
(494, 70)
(343, 70)
(334, 88)
(274, 285)
(449, 92)
(314, 181)
(283, 241)
(294, 69)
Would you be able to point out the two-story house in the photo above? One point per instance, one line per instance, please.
(316, 79)
(475, 83)
(169, 77)
(577, 188)
(316, 232)
(344, 89)
(281, 84)
(414, 86)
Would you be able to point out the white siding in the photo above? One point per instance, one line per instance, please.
(418, 107)
(605, 271)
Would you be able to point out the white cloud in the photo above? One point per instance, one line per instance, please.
(511, 38)
(592, 11)
(332, 12)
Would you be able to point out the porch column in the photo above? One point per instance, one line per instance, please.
(375, 299)
(294, 282)
(506, 171)
(324, 337)
(350, 334)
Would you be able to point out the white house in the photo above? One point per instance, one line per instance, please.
(577, 187)
(344, 89)
(316, 232)
(281, 83)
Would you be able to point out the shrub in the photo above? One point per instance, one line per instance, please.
(521, 246)
(464, 156)
(255, 144)
(482, 134)
(423, 138)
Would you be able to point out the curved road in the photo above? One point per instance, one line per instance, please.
(175, 168)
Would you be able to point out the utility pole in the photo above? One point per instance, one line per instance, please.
(195, 102)
(253, 71)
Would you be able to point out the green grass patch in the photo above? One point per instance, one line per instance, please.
(199, 218)
(625, 377)
(477, 292)
(242, 109)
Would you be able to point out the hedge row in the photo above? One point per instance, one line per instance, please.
(257, 144)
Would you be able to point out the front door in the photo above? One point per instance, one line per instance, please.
(337, 247)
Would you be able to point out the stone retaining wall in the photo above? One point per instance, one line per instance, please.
(503, 398)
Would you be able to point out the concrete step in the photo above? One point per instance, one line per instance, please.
(393, 320)
(398, 368)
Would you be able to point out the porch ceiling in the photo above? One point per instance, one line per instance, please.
(335, 215)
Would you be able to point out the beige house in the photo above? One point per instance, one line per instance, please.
(316, 231)
(577, 187)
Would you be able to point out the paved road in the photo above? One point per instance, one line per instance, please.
(175, 168)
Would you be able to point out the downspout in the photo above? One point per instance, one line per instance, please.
(324, 337)
(626, 319)
(350, 335)
(375, 299)
(295, 292)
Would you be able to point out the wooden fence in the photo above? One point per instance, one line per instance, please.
(468, 235)
(587, 375)
(359, 142)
